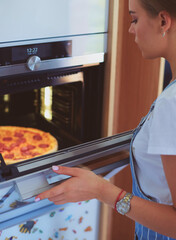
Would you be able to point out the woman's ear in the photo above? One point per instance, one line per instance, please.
(165, 21)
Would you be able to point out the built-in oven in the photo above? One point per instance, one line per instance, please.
(52, 78)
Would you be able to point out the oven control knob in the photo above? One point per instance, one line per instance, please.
(33, 63)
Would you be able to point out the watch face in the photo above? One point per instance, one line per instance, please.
(123, 207)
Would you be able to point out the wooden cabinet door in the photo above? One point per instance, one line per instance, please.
(131, 86)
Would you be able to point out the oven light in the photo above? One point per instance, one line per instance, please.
(6, 99)
(48, 97)
(46, 102)
(47, 114)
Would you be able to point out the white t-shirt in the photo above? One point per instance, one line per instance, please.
(156, 137)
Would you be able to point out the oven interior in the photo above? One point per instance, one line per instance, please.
(67, 103)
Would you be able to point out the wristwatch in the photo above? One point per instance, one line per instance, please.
(123, 206)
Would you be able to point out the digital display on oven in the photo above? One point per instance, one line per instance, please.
(20, 54)
(44, 51)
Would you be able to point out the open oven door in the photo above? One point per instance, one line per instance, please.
(21, 182)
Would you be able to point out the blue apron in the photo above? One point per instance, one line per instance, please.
(142, 232)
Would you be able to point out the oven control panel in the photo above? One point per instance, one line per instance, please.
(68, 53)
(42, 51)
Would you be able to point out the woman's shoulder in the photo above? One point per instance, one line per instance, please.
(166, 102)
(168, 94)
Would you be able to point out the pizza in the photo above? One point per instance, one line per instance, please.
(22, 143)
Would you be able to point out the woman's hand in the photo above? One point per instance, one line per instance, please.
(83, 185)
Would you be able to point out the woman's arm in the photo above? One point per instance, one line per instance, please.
(85, 185)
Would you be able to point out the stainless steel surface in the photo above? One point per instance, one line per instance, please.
(32, 20)
(85, 25)
(57, 21)
(37, 65)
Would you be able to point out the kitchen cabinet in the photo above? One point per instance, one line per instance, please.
(132, 84)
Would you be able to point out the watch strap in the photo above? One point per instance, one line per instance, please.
(127, 197)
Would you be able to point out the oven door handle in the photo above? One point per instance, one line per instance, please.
(30, 187)
(111, 169)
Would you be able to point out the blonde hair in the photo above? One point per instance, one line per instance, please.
(153, 7)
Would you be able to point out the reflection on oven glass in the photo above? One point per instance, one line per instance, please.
(46, 102)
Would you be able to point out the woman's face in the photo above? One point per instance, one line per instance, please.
(147, 31)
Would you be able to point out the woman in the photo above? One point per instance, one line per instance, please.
(153, 147)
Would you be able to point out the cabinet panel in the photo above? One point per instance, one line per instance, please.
(136, 87)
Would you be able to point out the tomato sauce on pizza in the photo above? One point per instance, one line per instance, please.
(21, 143)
